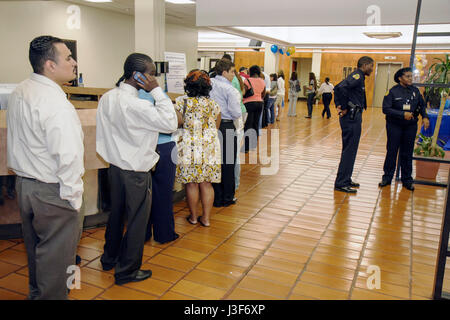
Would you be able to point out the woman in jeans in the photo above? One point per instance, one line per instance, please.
(280, 95)
(311, 92)
(326, 90)
(272, 98)
(293, 95)
(254, 105)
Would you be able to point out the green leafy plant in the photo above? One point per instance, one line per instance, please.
(425, 147)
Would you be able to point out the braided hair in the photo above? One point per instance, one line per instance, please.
(134, 62)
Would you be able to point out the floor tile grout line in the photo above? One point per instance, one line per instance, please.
(361, 256)
(328, 225)
(226, 239)
(288, 222)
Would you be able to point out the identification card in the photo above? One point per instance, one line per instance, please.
(407, 107)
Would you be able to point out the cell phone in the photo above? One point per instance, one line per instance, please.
(136, 77)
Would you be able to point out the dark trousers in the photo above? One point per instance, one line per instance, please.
(224, 191)
(254, 110)
(104, 193)
(265, 111)
(163, 178)
(351, 132)
(399, 137)
(130, 199)
(310, 103)
(51, 231)
(326, 98)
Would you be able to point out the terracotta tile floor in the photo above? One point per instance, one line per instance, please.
(290, 235)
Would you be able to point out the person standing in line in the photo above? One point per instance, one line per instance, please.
(45, 149)
(264, 115)
(350, 101)
(199, 149)
(326, 90)
(161, 223)
(243, 72)
(402, 105)
(311, 92)
(272, 97)
(254, 105)
(127, 135)
(294, 85)
(279, 104)
(228, 99)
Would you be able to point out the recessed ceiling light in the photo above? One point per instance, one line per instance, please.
(181, 1)
(383, 35)
(98, 0)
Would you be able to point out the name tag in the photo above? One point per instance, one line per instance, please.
(407, 107)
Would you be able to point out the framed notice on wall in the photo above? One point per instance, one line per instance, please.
(177, 71)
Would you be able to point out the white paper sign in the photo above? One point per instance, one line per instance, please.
(177, 71)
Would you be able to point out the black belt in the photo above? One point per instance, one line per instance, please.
(226, 120)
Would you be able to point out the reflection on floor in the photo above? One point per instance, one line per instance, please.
(290, 235)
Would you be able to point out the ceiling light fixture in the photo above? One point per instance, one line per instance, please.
(181, 1)
(383, 35)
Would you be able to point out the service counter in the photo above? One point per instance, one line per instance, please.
(95, 198)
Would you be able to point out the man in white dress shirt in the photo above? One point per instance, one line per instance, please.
(45, 149)
(127, 134)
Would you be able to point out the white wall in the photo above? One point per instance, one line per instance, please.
(303, 70)
(183, 39)
(103, 41)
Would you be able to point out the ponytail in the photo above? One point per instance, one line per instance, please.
(120, 80)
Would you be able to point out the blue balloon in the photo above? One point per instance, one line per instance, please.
(274, 48)
(287, 53)
(281, 51)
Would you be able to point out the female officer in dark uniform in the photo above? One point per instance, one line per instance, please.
(402, 105)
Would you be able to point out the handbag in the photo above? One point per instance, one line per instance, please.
(249, 92)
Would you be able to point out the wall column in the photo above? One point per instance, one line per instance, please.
(150, 28)
(316, 61)
(271, 60)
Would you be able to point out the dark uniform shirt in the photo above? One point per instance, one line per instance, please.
(351, 89)
(399, 99)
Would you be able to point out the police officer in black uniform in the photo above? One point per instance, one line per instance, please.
(350, 100)
(402, 105)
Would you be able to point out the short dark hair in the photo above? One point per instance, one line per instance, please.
(197, 84)
(400, 73)
(327, 79)
(223, 65)
(274, 76)
(364, 60)
(134, 62)
(227, 56)
(254, 70)
(42, 49)
(242, 69)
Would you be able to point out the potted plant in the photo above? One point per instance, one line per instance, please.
(425, 148)
(439, 73)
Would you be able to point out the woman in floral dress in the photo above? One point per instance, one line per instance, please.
(199, 157)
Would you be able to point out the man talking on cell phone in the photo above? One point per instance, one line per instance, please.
(127, 134)
(350, 101)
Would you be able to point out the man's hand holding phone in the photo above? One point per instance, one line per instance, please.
(146, 81)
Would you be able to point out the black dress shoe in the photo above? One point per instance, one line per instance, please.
(140, 275)
(409, 186)
(217, 205)
(229, 203)
(345, 189)
(384, 183)
(354, 184)
(175, 237)
(77, 260)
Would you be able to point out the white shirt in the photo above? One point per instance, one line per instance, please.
(128, 127)
(45, 138)
(267, 81)
(326, 88)
(281, 90)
